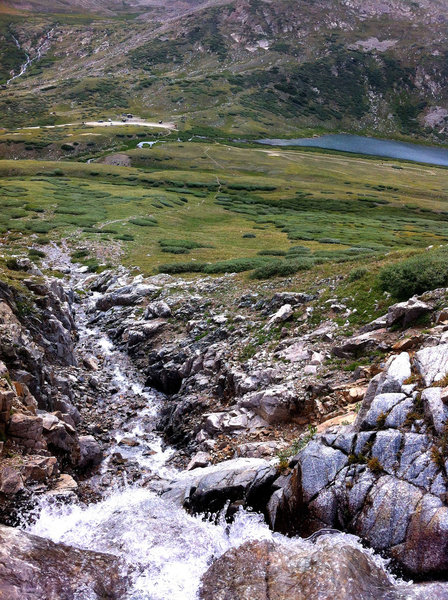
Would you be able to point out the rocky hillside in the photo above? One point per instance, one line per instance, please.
(267, 404)
(104, 7)
(246, 66)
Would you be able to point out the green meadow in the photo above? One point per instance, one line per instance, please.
(185, 207)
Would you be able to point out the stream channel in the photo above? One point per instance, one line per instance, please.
(165, 549)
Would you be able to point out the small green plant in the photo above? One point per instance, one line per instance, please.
(35, 253)
(374, 465)
(357, 274)
(381, 420)
(437, 457)
(296, 446)
(441, 382)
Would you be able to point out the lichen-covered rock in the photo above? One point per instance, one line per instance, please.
(432, 363)
(435, 409)
(380, 407)
(318, 465)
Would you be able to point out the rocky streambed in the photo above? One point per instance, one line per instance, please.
(157, 444)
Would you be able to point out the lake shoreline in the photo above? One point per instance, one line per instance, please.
(366, 146)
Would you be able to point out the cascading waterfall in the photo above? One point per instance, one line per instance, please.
(165, 549)
(29, 60)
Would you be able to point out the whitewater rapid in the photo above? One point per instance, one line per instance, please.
(163, 548)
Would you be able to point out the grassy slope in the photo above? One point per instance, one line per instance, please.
(310, 79)
(316, 197)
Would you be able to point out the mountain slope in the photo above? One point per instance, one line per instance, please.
(250, 65)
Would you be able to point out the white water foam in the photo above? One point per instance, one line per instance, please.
(167, 549)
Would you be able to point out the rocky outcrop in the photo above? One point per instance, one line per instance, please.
(33, 568)
(239, 482)
(266, 570)
(36, 331)
(384, 478)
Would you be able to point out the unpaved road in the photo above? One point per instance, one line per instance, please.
(139, 122)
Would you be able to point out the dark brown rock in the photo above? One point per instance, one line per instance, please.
(33, 568)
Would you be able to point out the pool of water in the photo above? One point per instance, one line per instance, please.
(370, 146)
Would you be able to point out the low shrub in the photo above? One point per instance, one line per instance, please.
(81, 253)
(188, 244)
(34, 252)
(143, 222)
(357, 274)
(185, 267)
(175, 250)
(125, 237)
(271, 253)
(283, 268)
(236, 265)
(415, 275)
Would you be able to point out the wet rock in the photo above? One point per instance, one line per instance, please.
(6, 400)
(199, 460)
(62, 440)
(11, 481)
(26, 430)
(91, 363)
(164, 379)
(90, 452)
(129, 441)
(432, 363)
(126, 296)
(65, 406)
(265, 570)
(243, 480)
(65, 486)
(33, 568)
